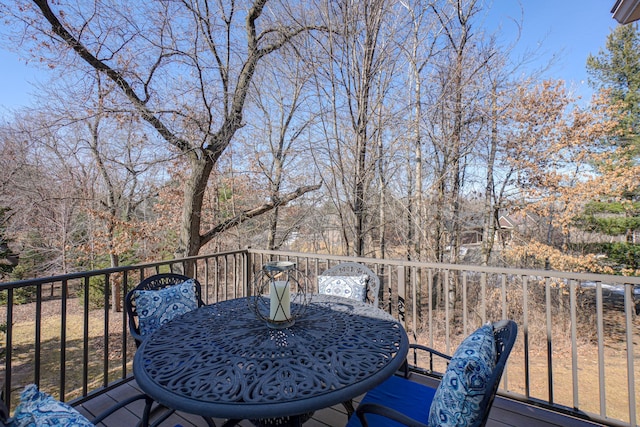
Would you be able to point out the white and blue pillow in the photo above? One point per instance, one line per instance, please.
(157, 307)
(457, 401)
(39, 409)
(354, 287)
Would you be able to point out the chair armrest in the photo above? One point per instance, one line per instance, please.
(429, 350)
(432, 353)
(392, 414)
(134, 333)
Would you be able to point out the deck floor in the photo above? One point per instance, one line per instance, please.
(505, 412)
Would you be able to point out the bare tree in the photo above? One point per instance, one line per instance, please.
(184, 67)
(45, 196)
(418, 48)
(280, 96)
(348, 77)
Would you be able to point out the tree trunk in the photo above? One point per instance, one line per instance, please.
(194, 190)
(490, 224)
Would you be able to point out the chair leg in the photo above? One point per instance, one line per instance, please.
(348, 405)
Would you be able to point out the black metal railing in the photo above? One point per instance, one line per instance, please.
(577, 348)
(70, 337)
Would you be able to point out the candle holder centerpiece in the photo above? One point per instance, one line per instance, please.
(281, 294)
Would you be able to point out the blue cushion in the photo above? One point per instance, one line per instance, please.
(458, 399)
(354, 287)
(38, 409)
(410, 398)
(157, 307)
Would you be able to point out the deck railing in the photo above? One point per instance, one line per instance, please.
(578, 347)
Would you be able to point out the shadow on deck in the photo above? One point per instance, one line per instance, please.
(505, 412)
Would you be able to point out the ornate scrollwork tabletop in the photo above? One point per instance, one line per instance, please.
(223, 361)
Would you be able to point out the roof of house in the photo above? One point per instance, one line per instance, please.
(626, 11)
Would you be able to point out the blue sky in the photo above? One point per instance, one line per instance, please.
(571, 29)
(14, 80)
(567, 29)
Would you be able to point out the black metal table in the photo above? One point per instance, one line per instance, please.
(222, 361)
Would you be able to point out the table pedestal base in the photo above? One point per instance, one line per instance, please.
(295, 421)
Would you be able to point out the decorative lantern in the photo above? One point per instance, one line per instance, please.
(281, 294)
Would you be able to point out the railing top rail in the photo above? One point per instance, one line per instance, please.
(586, 277)
(111, 270)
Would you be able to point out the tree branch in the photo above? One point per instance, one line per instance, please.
(252, 213)
(114, 75)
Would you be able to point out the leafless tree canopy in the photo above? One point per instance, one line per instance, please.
(373, 128)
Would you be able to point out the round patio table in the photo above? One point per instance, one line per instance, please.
(223, 361)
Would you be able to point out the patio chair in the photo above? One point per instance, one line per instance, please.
(146, 312)
(39, 408)
(157, 300)
(351, 280)
(465, 394)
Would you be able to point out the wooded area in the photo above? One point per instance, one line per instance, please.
(391, 129)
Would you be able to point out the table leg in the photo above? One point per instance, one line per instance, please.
(147, 411)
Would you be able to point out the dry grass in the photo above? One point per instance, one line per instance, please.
(24, 352)
(587, 364)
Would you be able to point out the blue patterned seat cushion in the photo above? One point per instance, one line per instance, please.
(458, 399)
(354, 287)
(157, 307)
(38, 409)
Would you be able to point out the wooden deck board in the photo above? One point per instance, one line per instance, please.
(505, 412)
(513, 413)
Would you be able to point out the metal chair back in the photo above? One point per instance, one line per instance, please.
(505, 333)
(154, 283)
(356, 269)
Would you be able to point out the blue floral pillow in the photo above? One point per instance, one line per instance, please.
(156, 308)
(354, 287)
(458, 398)
(38, 409)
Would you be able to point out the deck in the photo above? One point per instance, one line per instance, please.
(505, 412)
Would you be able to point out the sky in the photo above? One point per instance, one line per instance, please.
(568, 29)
